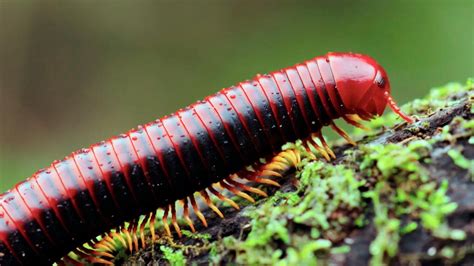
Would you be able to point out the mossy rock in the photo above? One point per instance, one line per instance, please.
(403, 195)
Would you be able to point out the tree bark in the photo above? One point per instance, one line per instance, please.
(416, 248)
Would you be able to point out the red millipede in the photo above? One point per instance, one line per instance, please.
(113, 188)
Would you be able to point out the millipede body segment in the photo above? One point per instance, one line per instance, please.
(210, 146)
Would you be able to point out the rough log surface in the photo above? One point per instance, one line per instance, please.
(416, 248)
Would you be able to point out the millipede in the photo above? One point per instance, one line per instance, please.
(82, 208)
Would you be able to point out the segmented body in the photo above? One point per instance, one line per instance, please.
(98, 188)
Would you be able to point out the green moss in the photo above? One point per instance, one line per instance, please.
(324, 192)
(461, 161)
(388, 229)
(410, 227)
(174, 257)
(327, 194)
(434, 206)
(386, 186)
(438, 98)
(401, 190)
(196, 235)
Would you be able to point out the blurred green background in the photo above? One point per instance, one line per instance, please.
(75, 72)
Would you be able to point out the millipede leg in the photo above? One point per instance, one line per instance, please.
(68, 260)
(99, 254)
(281, 163)
(91, 258)
(142, 230)
(184, 202)
(318, 148)
(165, 221)
(197, 211)
(174, 220)
(102, 246)
(236, 191)
(109, 242)
(132, 235)
(343, 134)
(252, 175)
(134, 226)
(245, 187)
(292, 157)
(266, 172)
(209, 203)
(152, 226)
(306, 145)
(354, 120)
(120, 238)
(129, 239)
(106, 244)
(223, 198)
(326, 147)
(266, 181)
(278, 163)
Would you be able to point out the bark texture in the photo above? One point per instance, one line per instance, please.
(448, 129)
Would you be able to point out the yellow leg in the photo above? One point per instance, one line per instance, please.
(174, 220)
(343, 134)
(132, 235)
(142, 230)
(245, 187)
(165, 221)
(326, 147)
(236, 191)
(186, 214)
(318, 148)
(68, 260)
(354, 119)
(209, 203)
(120, 238)
(91, 257)
(197, 211)
(223, 198)
(152, 226)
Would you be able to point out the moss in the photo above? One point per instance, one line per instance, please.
(403, 191)
(174, 257)
(388, 229)
(324, 193)
(329, 198)
(385, 186)
(461, 161)
(329, 201)
(438, 98)
(196, 235)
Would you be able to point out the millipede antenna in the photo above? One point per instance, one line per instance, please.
(393, 105)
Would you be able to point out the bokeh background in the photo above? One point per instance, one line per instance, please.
(75, 72)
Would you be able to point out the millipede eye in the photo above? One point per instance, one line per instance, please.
(381, 83)
(379, 80)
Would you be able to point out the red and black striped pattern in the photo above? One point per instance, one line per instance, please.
(98, 188)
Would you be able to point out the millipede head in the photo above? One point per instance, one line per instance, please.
(363, 85)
